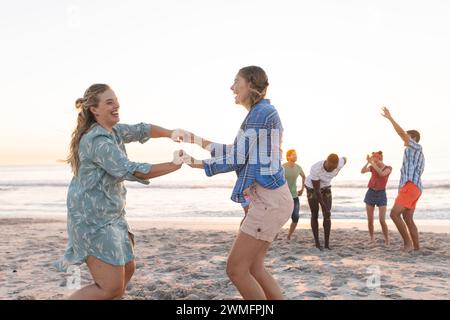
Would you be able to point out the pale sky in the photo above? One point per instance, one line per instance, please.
(331, 66)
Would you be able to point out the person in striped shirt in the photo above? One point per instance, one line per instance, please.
(410, 188)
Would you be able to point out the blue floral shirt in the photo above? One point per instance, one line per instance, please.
(96, 198)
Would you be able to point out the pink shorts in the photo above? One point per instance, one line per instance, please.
(268, 211)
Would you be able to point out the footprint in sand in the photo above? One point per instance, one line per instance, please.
(289, 258)
(362, 294)
(337, 283)
(174, 268)
(179, 293)
(393, 296)
(197, 275)
(169, 246)
(315, 294)
(345, 254)
(388, 286)
(429, 273)
(151, 287)
(163, 295)
(303, 268)
(425, 253)
(26, 298)
(421, 289)
(218, 260)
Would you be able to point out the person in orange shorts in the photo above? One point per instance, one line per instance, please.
(410, 188)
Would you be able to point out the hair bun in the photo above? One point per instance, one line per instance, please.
(79, 103)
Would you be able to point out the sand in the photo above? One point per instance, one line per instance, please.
(185, 259)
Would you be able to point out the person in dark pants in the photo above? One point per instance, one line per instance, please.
(318, 190)
(292, 171)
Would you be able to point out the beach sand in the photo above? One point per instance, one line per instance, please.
(186, 259)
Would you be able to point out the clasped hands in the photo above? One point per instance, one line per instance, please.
(181, 156)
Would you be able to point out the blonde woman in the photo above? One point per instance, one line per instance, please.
(261, 179)
(98, 231)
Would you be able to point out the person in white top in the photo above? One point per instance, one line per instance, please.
(318, 189)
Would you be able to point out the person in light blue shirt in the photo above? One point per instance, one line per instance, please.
(410, 187)
(97, 229)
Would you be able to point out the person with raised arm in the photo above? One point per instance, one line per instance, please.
(410, 186)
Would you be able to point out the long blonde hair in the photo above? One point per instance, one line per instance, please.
(84, 122)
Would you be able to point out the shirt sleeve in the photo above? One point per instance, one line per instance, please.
(301, 171)
(341, 163)
(219, 149)
(414, 145)
(107, 154)
(228, 158)
(131, 133)
(254, 147)
(314, 174)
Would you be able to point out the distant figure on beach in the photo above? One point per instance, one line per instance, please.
(410, 187)
(98, 232)
(255, 157)
(291, 172)
(376, 194)
(318, 190)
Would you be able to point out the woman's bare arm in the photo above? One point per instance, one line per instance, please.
(158, 170)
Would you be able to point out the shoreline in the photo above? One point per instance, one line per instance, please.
(232, 223)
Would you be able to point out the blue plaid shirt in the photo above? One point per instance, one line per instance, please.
(255, 155)
(413, 165)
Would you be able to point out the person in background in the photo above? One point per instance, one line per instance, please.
(291, 172)
(376, 194)
(318, 190)
(410, 186)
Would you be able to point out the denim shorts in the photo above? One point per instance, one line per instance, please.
(376, 198)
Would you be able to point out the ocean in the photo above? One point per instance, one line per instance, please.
(37, 191)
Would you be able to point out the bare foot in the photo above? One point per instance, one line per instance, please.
(408, 248)
(318, 246)
(387, 242)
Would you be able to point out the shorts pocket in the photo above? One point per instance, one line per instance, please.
(262, 199)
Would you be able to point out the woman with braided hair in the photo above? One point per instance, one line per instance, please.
(255, 156)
